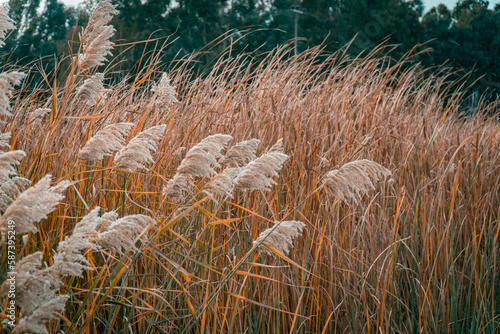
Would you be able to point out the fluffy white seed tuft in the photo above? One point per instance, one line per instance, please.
(165, 93)
(91, 89)
(105, 142)
(176, 187)
(201, 157)
(280, 237)
(223, 183)
(6, 23)
(33, 205)
(121, 233)
(354, 179)
(7, 81)
(95, 39)
(258, 174)
(138, 150)
(241, 153)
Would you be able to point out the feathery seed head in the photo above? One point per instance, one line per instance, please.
(122, 233)
(33, 205)
(96, 36)
(223, 183)
(36, 117)
(278, 147)
(69, 260)
(89, 91)
(138, 150)
(354, 179)
(201, 157)
(4, 141)
(176, 187)
(7, 162)
(7, 81)
(241, 153)
(165, 94)
(105, 142)
(6, 23)
(280, 237)
(258, 174)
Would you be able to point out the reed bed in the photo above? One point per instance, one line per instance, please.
(357, 199)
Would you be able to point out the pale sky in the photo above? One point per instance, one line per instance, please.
(428, 3)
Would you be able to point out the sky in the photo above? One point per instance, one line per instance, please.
(428, 3)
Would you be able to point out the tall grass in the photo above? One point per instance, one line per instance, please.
(419, 253)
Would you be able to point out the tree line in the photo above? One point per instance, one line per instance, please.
(467, 36)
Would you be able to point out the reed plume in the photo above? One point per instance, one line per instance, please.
(280, 237)
(201, 157)
(105, 142)
(223, 183)
(7, 81)
(121, 233)
(241, 153)
(4, 141)
(175, 187)
(95, 39)
(138, 150)
(277, 147)
(36, 294)
(6, 23)
(89, 91)
(258, 174)
(33, 205)
(10, 189)
(354, 179)
(8, 161)
(36, 117)
(69, 260)
(165, 94)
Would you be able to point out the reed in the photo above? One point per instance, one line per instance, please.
(314, 193)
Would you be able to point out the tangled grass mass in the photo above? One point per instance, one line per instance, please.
(313, 193)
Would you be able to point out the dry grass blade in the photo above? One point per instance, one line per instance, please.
(105, 142)
(354, 179)
(138, 150)
(280, 237)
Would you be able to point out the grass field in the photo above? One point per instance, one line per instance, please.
(418, 252)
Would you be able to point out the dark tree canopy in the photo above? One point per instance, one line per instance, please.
(466, 36)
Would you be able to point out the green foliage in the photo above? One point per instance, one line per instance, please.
(466, 36)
